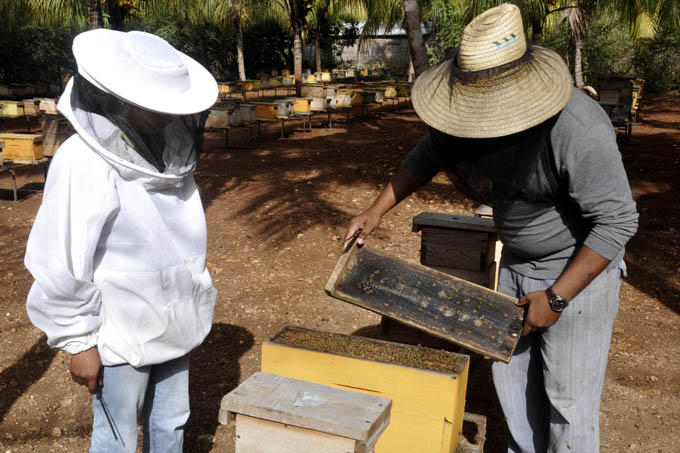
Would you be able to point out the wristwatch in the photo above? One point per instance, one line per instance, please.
(557, 302)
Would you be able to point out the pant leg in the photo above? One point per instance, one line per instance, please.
(575, 352)
(573, 358)
(519, 384)
(116, 406)
(166, 408)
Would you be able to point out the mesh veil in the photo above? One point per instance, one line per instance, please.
(169, 144)
(486, 167)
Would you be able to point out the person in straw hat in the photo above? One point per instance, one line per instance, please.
(510, 129)
(118, 248)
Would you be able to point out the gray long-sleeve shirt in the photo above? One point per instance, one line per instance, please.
(553, 188)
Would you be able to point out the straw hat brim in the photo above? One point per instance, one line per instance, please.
(96, 52)
(496, 102)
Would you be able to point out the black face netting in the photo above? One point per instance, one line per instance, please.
(155, 141)
(506, 164)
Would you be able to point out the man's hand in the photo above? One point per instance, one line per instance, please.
(538, 315)
(367, 221)
(85, 367)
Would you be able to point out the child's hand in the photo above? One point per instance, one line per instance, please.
(85, 368)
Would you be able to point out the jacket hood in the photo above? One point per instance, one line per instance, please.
(107, 140)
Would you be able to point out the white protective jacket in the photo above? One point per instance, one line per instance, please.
(118, 253)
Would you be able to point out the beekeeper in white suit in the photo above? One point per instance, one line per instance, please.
(118, 248)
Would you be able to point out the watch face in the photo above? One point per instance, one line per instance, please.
(558, 303)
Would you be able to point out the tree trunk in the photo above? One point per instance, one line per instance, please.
(297, 57)
(239, 39)
(94, 14)
(536, 31)
(578, 68)
(416, 44)
(317, 49)
(115, 14)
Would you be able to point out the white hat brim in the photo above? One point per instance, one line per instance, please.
(493, 103)
(95, 52)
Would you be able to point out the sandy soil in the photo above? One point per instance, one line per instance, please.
(276, 211)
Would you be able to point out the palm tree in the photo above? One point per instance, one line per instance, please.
(386, 14)
(324, 13)
(94, 14)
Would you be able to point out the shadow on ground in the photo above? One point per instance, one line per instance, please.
(215, 371)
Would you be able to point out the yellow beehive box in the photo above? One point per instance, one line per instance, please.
(404, 89)
(12, 108)
(285, 73)
(225, 87)
(325, 76)
(251, 85)
(390, 92)
(25, 147)
(302, 105)
(311, 78)
(427, 386)
(266, 111)
(363, 72)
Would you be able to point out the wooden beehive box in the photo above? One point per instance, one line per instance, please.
(454, 243)
(48, 106)
(217, 119)
(55, 131)
(246, 112)
(31, 106)
(22, 147)
(378, 94)
(437, 303)
(319, 104)
(427, 387)
(278, 414)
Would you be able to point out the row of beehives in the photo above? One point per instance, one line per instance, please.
(315, 98)
(23, 91)
(28, 107)
(54, 130)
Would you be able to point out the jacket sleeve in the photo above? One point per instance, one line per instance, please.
(597, 182)
(64, 302)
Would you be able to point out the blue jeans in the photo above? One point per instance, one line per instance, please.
(158, 394)
(550, 391)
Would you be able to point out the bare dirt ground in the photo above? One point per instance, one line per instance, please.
(276, 211)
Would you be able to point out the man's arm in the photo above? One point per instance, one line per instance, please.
(597, 183)
(586, 266)
(402, 184)
(419, 167)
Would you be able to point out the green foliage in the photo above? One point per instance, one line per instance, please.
(266, 48)
(607, 49)
(207, 43)
(36, 54)
(658, 62)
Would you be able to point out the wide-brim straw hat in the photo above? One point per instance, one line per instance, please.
(494, 84)
(144, 70)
